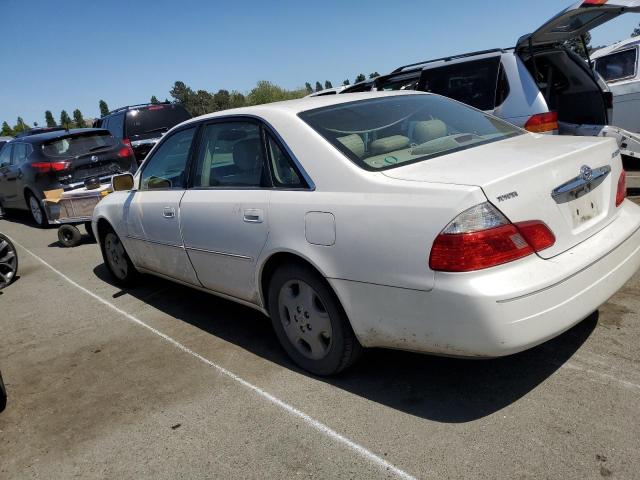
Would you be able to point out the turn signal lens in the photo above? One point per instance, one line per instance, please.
(542, 122)
(621, 192)
(482, 237)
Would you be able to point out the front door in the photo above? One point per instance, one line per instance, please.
(152, 212)
(225, 215)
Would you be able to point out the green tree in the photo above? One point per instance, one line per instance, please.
(636, 31)
(48, 117)
(78, 119)
(222, 100)
(6, 131)
(20, 126)
(154, 100)
(267, 92)
(346, 82)
(65, 120)
(104, 109)
(181, 93)
(318, 86)
(360, 78)
(374, 75)
(237, 100)
(576, 45)
(327, 84)
(308, 87)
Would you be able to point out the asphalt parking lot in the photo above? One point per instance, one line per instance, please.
(162, 381)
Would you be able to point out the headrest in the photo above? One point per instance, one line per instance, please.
(389, 144)
(247, 154)
(429, 130)
(354, 143)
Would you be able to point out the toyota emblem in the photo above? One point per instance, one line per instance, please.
(586, 173)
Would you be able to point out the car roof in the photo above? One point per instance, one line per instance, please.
(43, 137)
(303, 104)
(621, 45)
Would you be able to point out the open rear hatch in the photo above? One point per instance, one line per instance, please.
(577, 20)
(569, 183)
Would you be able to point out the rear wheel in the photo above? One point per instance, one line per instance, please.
(8, 261)
(117, 260)
(37, 212)
(69, 236)
(310, 322)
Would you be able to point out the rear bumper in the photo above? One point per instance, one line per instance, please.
(501, 310)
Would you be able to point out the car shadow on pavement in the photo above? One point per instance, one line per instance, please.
(436, 388)
(21, 217)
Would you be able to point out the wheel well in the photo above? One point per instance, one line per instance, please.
(270, 267)
(103, 227)
(26, 193)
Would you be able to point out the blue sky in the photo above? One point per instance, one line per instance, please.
(57, 54)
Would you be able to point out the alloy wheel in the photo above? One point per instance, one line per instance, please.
(8, 262)
(36, 211)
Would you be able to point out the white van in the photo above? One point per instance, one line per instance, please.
(618, 65)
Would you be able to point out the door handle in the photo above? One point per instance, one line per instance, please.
(168, 212)
(253, 215)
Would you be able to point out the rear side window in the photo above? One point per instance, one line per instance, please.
(5, 155)
(406, 81)
(619, 65)
(20, 153)
(115, 124)
(155, 119)
(285, 174)
(473, 83)
(78, 145)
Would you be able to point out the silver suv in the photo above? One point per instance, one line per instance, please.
(539, 84)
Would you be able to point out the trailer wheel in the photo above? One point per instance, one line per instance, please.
(69, 236)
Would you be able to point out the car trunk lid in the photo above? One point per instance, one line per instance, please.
(569, 183)
(577, 20)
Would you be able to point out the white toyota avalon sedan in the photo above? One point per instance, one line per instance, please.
(399, 220)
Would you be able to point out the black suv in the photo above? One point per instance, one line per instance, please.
(141, 126)
(31, 165)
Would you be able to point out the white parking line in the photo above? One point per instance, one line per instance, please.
(371, 457)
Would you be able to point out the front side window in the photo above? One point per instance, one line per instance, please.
(166, 169)
(387, 132)
(618, 66)
(231, 155)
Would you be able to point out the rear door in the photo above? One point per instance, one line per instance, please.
(224, 215)
(577, 20)
(152, 213)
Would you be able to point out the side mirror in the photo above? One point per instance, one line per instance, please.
(122, 182)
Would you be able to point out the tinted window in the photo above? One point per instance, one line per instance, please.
(405, 81)
(617, 66)
(386, 132)
(285, 174)
(78, 145)
(166, 168)
(473, 83)
(115, 124)
(20, 153)
(155, 119)
(5, 155)
(231, 155)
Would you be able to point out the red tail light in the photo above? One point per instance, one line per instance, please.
(590, 3)
(125, 151)
(481, 237)
(621, 192)
(542, 122)
(44, 167)
(126, 141)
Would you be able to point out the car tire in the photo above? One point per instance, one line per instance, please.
(116, 259)
(69, 236)
(87, 227)
(3, 395)
(309, 321)
(38, 215)
(8, 262)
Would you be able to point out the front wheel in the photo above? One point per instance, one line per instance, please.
(117, 260)
(310, 322)
(8, 262)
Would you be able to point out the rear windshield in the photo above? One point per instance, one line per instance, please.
(383, 133)
(154, 119)
(73, 146)
(617, 66)
(474, 83)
